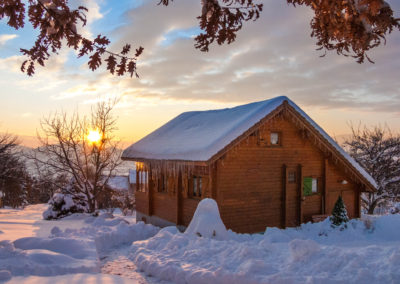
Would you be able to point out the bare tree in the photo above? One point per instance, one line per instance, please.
(85, 151)
(377, 150)
(13, 174)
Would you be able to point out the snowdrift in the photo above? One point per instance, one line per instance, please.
(312, 253)
(69, 250)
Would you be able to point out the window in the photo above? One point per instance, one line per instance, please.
(310, 186)
(292, 177)
(275, 138)
(143, 181)
(196, 187)
(162, 185)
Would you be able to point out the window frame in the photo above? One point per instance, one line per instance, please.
(163, 184)
(279, 133)
(196, 187)
(311, 192)
(292, 174)
(142, 183)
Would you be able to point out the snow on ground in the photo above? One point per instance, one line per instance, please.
(17, 223)
(72, 278)
(106, 249)
(77, 244)
(313, 253)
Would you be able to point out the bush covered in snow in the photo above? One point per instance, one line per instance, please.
(207, 221)
(395, 208)
(64, 204)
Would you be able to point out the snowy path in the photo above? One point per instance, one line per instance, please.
(118, 263)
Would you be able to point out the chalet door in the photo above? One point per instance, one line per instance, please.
(292, 196)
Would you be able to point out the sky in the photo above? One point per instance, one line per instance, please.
(271, 57)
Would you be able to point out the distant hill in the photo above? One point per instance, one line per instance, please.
(122, 170)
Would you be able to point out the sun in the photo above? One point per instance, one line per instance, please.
(94, 136)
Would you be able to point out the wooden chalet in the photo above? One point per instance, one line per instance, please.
(265, 163)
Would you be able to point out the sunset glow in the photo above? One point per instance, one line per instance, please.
(94, 136)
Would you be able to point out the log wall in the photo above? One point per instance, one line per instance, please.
(253, 192)
(251, 186)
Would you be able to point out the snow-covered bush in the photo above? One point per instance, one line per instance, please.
(207, 221)
(114, 198)
(339, 214)
(66, 202)
(395, 208)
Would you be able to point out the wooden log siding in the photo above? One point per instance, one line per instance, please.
(249, 180)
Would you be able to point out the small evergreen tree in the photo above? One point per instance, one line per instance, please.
(339, 214)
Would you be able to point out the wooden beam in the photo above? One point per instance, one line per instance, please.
(358, 201)
(300, 187)
(179, 200)
(137, 179)
(325, 189)
(154, 161)
(213, 176)
(284, 195)
(150, 193)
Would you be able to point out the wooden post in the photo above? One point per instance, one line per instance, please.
(325, 189)
(178, 200)
(284, 194)
(150, 193)
(300, 186)
(137, 179)
(358, 201)
(213, 176)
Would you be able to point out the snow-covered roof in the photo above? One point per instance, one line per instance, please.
(199, 135)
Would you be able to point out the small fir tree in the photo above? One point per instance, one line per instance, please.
(339, 214)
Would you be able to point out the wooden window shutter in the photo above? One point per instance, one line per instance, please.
(307, 186)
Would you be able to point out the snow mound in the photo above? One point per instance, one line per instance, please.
(275, 235)
(76, 248)
(302, 249)
(207, 221)
(124, 234)
(41, 262)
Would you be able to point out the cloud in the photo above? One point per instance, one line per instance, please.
(26, 114)
(92, 15)
(273, 56)
(6, 37)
